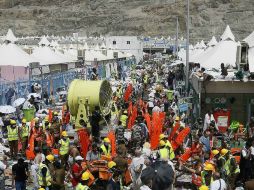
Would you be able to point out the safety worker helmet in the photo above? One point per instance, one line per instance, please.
(177, 118)
(64, 134)
(24, 120)
(203, 187)
(162, 143)
(85, 176)
(41, 188)
(13, 122)
(50, 158)
(111, 164)
(125, 112)
(224, 151)
(55, 113)
(106, 140)
(215, 152)
(209, 167)
(162, 136)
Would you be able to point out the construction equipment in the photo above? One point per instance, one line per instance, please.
(85, 96)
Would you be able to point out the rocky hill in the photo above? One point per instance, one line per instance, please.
(126, 17)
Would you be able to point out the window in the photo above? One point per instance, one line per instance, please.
(128, 42)
(114, 42)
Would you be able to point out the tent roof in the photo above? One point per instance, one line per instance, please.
(227, 35)
(212, 42)
(250, 39)
(48, 56)
(10, 36)
(223, 52)
(44, 41)
(13, 55)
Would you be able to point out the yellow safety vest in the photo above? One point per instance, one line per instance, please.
(105, 151)
(145, 79)
(123, 119)
(25, 131)
(82, 187)
(44, 126)
(164, 153)
(64, 148)
(12, 133)
(48, 176)
(227, 167)
(203, 178)
(172, 153)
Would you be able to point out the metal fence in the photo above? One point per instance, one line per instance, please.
(51, 83)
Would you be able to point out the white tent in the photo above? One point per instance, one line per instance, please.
(10, 37)
(11, 54)
(227, 35)
(48, 56)
(223, 52)
(44, 41)
(250, 41)
(212, 42)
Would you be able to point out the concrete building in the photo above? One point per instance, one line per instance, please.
(236, 95)
(127, 44)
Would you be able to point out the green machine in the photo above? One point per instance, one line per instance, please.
(84, 96)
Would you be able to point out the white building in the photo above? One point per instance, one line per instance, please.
(127, 44)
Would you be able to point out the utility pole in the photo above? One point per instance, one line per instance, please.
(176, 45)
(187, 45)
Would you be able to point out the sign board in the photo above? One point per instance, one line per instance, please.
(183, 107)
(222, 121)
(180, 83)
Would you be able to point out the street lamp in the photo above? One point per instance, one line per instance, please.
(187, 45)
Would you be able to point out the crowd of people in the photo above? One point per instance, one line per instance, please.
(150, 145)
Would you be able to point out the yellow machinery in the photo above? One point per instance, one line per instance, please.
(84, 96)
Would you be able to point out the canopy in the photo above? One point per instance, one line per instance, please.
(13, 55)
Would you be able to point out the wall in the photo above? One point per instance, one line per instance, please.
(135, 47)
(239, 103)
(12, 73)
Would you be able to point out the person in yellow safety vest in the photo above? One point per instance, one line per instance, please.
(13, 136)
(43, 175)
(163, 152)
(230, 167)
(46, 123)
(119, 92)
(203, 187)
(24, 133)
(83, 184)
(105, 148)
(221, 163)
(168, 145)
(64, 145)
(145, 80)
(124, 118)
(207, 174)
